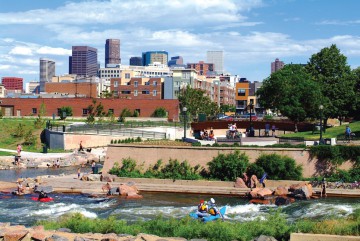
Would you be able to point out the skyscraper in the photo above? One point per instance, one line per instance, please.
(112, 52)
(47, 71)
(154, 56)
(84, 61)
(275, 66)
(217, 58)
(135, 61)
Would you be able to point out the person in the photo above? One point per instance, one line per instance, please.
(20, 188)
(211, 135)
(57, 164)
(19, 149)
(262, 179)
(347, 133)
(246, 179)
(42, 195)
(81, 148)
(267, 129)
(201, 135)
(233, 130)
(93, 166)
(213, 210)
(106, 188)
(273, 128)
(78, 172)
(202, 209)
(323, 188)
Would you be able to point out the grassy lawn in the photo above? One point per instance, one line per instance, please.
(5, 153)
(331, 132)
(10, 127)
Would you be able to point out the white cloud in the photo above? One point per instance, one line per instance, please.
(339, 22)
(5, 67)
(53, 51)
(21, 50)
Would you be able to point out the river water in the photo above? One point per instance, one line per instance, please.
(23, 210)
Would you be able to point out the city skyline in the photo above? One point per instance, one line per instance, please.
(251, 33)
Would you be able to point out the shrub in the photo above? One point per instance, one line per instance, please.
(227, 167)
(160, 112)
(279, 167)
(125, 113)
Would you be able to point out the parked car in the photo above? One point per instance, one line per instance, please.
(247, 116)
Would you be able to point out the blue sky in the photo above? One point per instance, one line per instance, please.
(252, 33)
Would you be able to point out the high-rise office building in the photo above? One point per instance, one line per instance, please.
(13, 84)
(177, 60)
(47, 71)
(112, 52)
(217, 58)
(135, 61)
(84, 61)
(275, 66)
(151, 57)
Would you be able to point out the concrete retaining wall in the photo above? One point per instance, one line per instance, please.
(148, 155)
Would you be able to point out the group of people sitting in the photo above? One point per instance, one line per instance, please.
(207, 136)
(207, 208)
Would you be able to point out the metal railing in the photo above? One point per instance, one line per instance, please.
(108, 129)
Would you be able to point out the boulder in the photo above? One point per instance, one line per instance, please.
(107, 178)
(303, 191)
(93, 177)
(38, 235)
(264, 192)
(56, 237)
(280, 201)
(125, 189)
(239, 183)
(264, 238)
(253, 193)
(281, 191)
(15, 235)
(293, 187)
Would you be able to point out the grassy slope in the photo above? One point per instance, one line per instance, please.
(332, 132)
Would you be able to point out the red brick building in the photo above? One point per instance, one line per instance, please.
(201, 67)
(29, 107)
(83, 89)
(137, 88)
(14, 84)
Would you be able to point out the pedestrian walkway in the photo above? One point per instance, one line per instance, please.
(27, 154)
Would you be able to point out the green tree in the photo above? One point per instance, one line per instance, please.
(227, 108)
(95, 110)
(291, 91)
(125, 113)
(227, 167)
(67, 110)
(160, 112)
(196, 101)
(329, 68)
(356, 112)
(39, 122)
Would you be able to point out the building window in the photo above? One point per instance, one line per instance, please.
(138, 111)
(136, 84)
(135, 93)
(85, 111)
(241, 92)
(154, 92)
(177, 83)
(126, 92)
(155, 83)
(147, 83)
(145, 92)
(185, 75)
(116, 83)
(127, 75)
(34, 110)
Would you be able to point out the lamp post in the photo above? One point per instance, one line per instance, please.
(251, 105)
(184, 113)
(321, 107)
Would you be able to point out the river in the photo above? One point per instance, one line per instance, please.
(23, 210)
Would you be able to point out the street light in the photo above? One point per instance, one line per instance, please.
(321, 107)
(184, 113)
(251, 105)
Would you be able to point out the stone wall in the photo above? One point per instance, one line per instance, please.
(149, 155)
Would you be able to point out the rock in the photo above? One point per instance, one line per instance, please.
(110, 237)
(93, 177)
(264, 238)
(82, 239)
(280, 201)
(56, 237)
(281, 191)
(125, 189)
(239, 183)
(65, 230)
(264, 192)
(302, 190)
(41, 236)
(15, 235)
(260, 201)
(253, 192)
(106, 178)
(293, 187)
(133, 195)
(114, 191)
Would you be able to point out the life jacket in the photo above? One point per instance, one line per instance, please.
(202, 208)
(212, 211)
